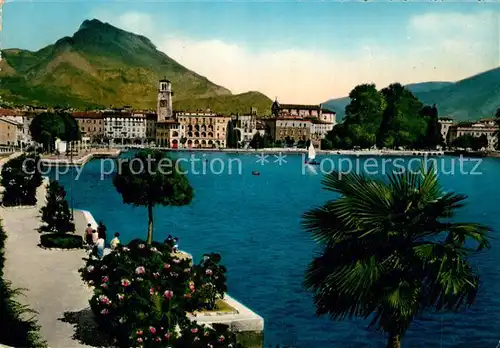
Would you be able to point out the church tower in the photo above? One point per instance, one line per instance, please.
(164, 104)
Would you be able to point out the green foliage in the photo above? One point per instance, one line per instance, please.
(18, 328)
(391, 251)
(56, 213)
(212, 276)
(231, 136)
(141, 293)
(46, 127)
(152, 178)
(21, 178)
(469, 141)
(61, 241)
(326, 144)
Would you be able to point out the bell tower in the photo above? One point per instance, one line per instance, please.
(164, 104)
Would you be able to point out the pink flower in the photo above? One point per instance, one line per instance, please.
(104, 285)
(156, 275)
(158, 339)
(221, 338)
(104, 299)
(196, 338)
(90, 268)
(166, 266)
(152, 291)
(152, 330)
(141, 246)
(139, 332)
(167, 336)
(191, 286)
(140, 270)
(105, 279)
(208, 271)
(120, 296)
(125, 282)
(168, 294)
(104, 311)
(209, 346)
(194, 330)
(139, 339)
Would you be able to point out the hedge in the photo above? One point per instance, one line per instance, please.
(15, 331)
(61, 241)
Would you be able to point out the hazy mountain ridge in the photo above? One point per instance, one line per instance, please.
(472, 98)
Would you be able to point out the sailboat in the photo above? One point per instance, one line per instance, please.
(311, 155)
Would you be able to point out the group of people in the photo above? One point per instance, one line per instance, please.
(96, 239)
(173, 243)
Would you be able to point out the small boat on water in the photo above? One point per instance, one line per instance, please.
(256, 173)
(311, 155)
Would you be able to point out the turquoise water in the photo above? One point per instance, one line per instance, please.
(254, 222)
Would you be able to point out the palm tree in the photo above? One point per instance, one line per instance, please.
(391, 251)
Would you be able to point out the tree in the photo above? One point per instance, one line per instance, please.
(21, 178)
(152, 178)
(56, 213)
(45, 128)
(183, 141)
(390, 251)
(231, 137)
(257, 141)
(433, 136)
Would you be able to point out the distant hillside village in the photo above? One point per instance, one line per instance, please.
(288, 125)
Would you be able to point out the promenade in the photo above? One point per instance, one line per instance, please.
(54, 287)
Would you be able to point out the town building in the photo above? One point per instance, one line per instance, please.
(201, 129)
(10, 132)
(486, 127)
(125, 126)
(300, 122)
(164, 108)
(91, 125)
(24, 118)
(167, 133)
(445, 123)
(283, 128)
(245, 126)
(151, 119)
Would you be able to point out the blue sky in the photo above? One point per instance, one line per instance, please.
(300, 52)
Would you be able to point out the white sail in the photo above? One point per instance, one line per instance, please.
(312, 153)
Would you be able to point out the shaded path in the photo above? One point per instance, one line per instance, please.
(51, 277)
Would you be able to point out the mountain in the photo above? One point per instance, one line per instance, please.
(339, 104)
(472, 98)
(101, 65)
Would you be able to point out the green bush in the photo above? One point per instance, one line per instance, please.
(56, 213)
(61, 241)
(21, 178)
(142, 293)
(14, 330)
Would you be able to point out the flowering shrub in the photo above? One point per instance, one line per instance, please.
(142, 294)
(21, 178)
(212, 279)
(56, 214)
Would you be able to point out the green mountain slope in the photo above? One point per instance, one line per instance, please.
(468, 99)
(240, 103)
(99, 65)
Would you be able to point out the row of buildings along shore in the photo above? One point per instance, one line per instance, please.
(166, 127)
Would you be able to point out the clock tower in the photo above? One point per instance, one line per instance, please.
(164, 104)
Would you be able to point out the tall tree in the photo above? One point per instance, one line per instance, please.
(152, 178)
(433, 136)
(391, 251)
(45, 128)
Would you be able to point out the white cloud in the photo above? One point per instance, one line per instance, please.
(447, 46)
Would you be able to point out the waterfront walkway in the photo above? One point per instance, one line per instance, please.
(54, 287)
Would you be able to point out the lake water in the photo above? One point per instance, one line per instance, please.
(254, 222)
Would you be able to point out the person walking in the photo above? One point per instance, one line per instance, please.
(95, 237)
(88, 234)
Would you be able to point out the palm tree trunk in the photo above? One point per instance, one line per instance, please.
(150, 224)
(394, 340)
